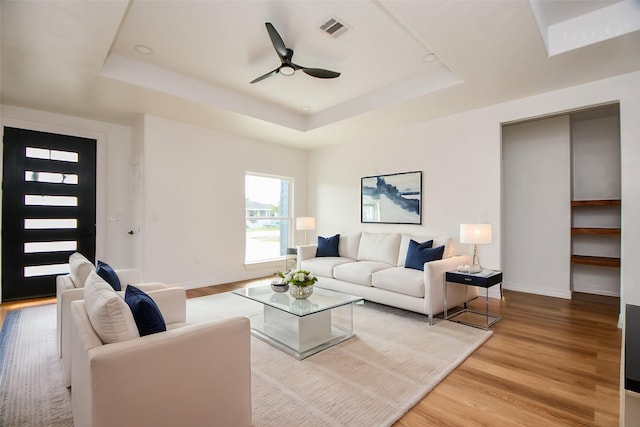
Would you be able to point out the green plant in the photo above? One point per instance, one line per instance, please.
(298, 277)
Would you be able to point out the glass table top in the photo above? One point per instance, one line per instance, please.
(320, 300)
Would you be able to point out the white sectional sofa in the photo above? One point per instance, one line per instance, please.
(372, 266)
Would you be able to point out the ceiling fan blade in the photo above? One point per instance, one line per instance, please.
(320, 73)
(264, 76)
(276, 40)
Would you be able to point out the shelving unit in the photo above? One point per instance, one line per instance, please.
(596, 219)
(595, 230)
(598, 261)
(608, 202)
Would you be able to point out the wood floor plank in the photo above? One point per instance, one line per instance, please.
(550, 362)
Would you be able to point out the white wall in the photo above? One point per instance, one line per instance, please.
(113, 147)
(595, 154)
(537, 206)
(630, 286)
(451, 168)
(193, 230)
(460, 158)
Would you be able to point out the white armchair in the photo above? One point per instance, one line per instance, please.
(194, 375)
(70, 287)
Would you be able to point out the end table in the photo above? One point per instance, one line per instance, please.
(484, 279)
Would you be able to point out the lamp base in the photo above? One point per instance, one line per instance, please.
(475, 269)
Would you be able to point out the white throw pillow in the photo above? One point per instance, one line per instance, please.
(109, 314)
(79, 267)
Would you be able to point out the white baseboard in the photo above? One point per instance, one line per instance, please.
(604, 292)
(250, 275)
(565, 294)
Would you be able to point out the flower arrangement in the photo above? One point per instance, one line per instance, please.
(300, 278)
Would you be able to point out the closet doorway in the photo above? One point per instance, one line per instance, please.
(561, 187)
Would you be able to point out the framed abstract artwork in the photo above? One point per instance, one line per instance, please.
(391, 199)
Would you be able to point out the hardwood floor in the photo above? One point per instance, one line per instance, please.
(550, 362)
(6, 307)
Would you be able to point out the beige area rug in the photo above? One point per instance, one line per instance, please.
(394, 360)
(370, 380)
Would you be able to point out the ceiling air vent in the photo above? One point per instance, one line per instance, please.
(334, 27)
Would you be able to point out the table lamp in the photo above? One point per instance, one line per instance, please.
(475, 234)
(305, 223)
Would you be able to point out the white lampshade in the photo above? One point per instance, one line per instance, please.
(477, 234)
(305, 223)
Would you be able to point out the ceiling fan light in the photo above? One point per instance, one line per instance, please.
(287, 70)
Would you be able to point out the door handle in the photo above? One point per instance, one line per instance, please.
(130, 232)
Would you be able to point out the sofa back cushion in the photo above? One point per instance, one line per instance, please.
(349, 244)
(79, 269)
(380, 247)
(449, 248)
(110, 316)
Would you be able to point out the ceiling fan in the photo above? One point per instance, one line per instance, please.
(287, 67)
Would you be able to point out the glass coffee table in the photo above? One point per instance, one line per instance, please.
(301, 327)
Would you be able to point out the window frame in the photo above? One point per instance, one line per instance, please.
(287, 219)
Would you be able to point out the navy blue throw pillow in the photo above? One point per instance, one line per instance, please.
(145, 311)
(328, 246)
(105, 271)
(418, 254)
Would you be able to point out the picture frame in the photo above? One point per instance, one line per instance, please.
(392, 198)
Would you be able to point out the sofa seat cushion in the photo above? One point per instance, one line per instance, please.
(401, 280)
(323, 266)
(359, 272)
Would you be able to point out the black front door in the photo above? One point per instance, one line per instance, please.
(48, 209)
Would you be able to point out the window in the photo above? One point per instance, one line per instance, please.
(267, 217)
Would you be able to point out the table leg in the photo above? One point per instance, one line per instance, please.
(445, 300)
(486, 305)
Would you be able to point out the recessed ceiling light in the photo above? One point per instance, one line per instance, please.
(429, 57)
(143, 50)
(305, 108)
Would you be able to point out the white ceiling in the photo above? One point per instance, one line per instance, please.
(78, 58)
